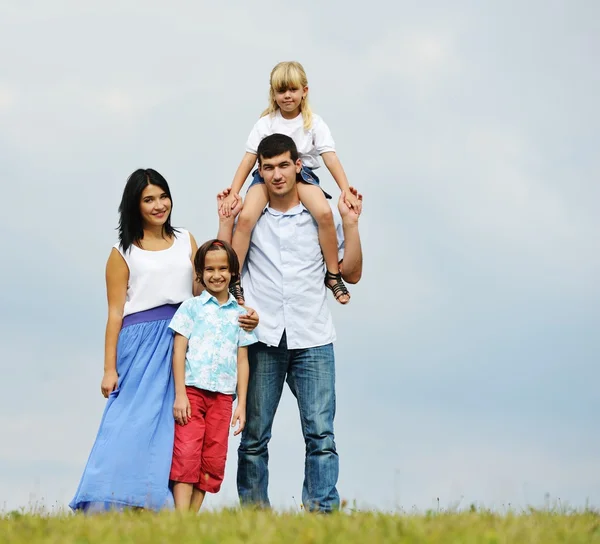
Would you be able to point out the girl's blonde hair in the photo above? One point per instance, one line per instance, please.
(289, 75)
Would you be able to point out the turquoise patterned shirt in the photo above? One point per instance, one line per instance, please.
(214, 335)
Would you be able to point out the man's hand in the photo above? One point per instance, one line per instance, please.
(228, 203)
(224, 193)
(349, 213)
(224, 196)
(182, 410)
(248, 321)
(351, 199)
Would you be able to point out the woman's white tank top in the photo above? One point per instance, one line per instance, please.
(158, 277)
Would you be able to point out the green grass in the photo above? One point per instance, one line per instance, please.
(234, 526)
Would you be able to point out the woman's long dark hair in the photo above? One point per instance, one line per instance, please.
(131, 225)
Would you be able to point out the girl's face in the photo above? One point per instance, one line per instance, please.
(289, 100)
(155, 206)
(216, 274)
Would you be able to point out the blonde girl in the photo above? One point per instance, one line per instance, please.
(289, 113)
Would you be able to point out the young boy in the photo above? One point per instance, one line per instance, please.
(210, 362)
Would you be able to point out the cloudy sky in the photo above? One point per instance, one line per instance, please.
(468, 359)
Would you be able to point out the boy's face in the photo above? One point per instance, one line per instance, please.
(216, 274)
(280, 174)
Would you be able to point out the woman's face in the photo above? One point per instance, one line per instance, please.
(155, 206)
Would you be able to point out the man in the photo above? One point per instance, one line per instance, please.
(284, 281)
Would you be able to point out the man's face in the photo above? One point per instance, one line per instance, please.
(280, 173)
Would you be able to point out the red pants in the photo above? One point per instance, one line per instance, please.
(200, 448)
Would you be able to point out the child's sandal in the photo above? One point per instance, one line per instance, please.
(338, 288)
(237, 291)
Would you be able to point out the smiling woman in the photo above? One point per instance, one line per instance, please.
(148, 275)
(146, 205)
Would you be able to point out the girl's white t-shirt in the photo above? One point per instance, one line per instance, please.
(310, 143)
(158, 277)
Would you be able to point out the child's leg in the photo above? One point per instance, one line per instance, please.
(255, 201)
(216, 440)
(182, 493)
(197, 499)
(315, 202)
(187, 452)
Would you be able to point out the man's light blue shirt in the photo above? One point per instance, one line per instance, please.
(214, 335)
(284, 278)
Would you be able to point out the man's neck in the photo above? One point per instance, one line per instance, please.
(284, 203)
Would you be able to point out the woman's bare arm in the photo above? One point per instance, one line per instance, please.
(117, 277)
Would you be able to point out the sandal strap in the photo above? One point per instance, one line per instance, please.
(339, 287)
(236, 290)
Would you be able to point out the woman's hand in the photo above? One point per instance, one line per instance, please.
(110, 380)
(182, 410)
(248, 321)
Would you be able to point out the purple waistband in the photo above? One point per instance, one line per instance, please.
(167, 311)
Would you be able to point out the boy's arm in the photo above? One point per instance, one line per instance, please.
(181, 407)
(243, 374)
(351, 265)
(180, 344)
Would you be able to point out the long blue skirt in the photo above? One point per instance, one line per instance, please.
(130, 461)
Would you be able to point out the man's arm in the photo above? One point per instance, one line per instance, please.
(227, 224)
(351, 265)
(249, 320)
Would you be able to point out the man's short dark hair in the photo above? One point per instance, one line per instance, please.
(275, 145)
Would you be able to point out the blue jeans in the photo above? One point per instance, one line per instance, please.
(310, 375)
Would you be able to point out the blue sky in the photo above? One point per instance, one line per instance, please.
(468, 358)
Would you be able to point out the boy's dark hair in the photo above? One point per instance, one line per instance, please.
(131, 225)
(275, 145)
(216, 245)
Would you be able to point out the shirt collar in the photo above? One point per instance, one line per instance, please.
(205, 297)
(296, 210)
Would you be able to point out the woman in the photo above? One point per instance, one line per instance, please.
(148, 274)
